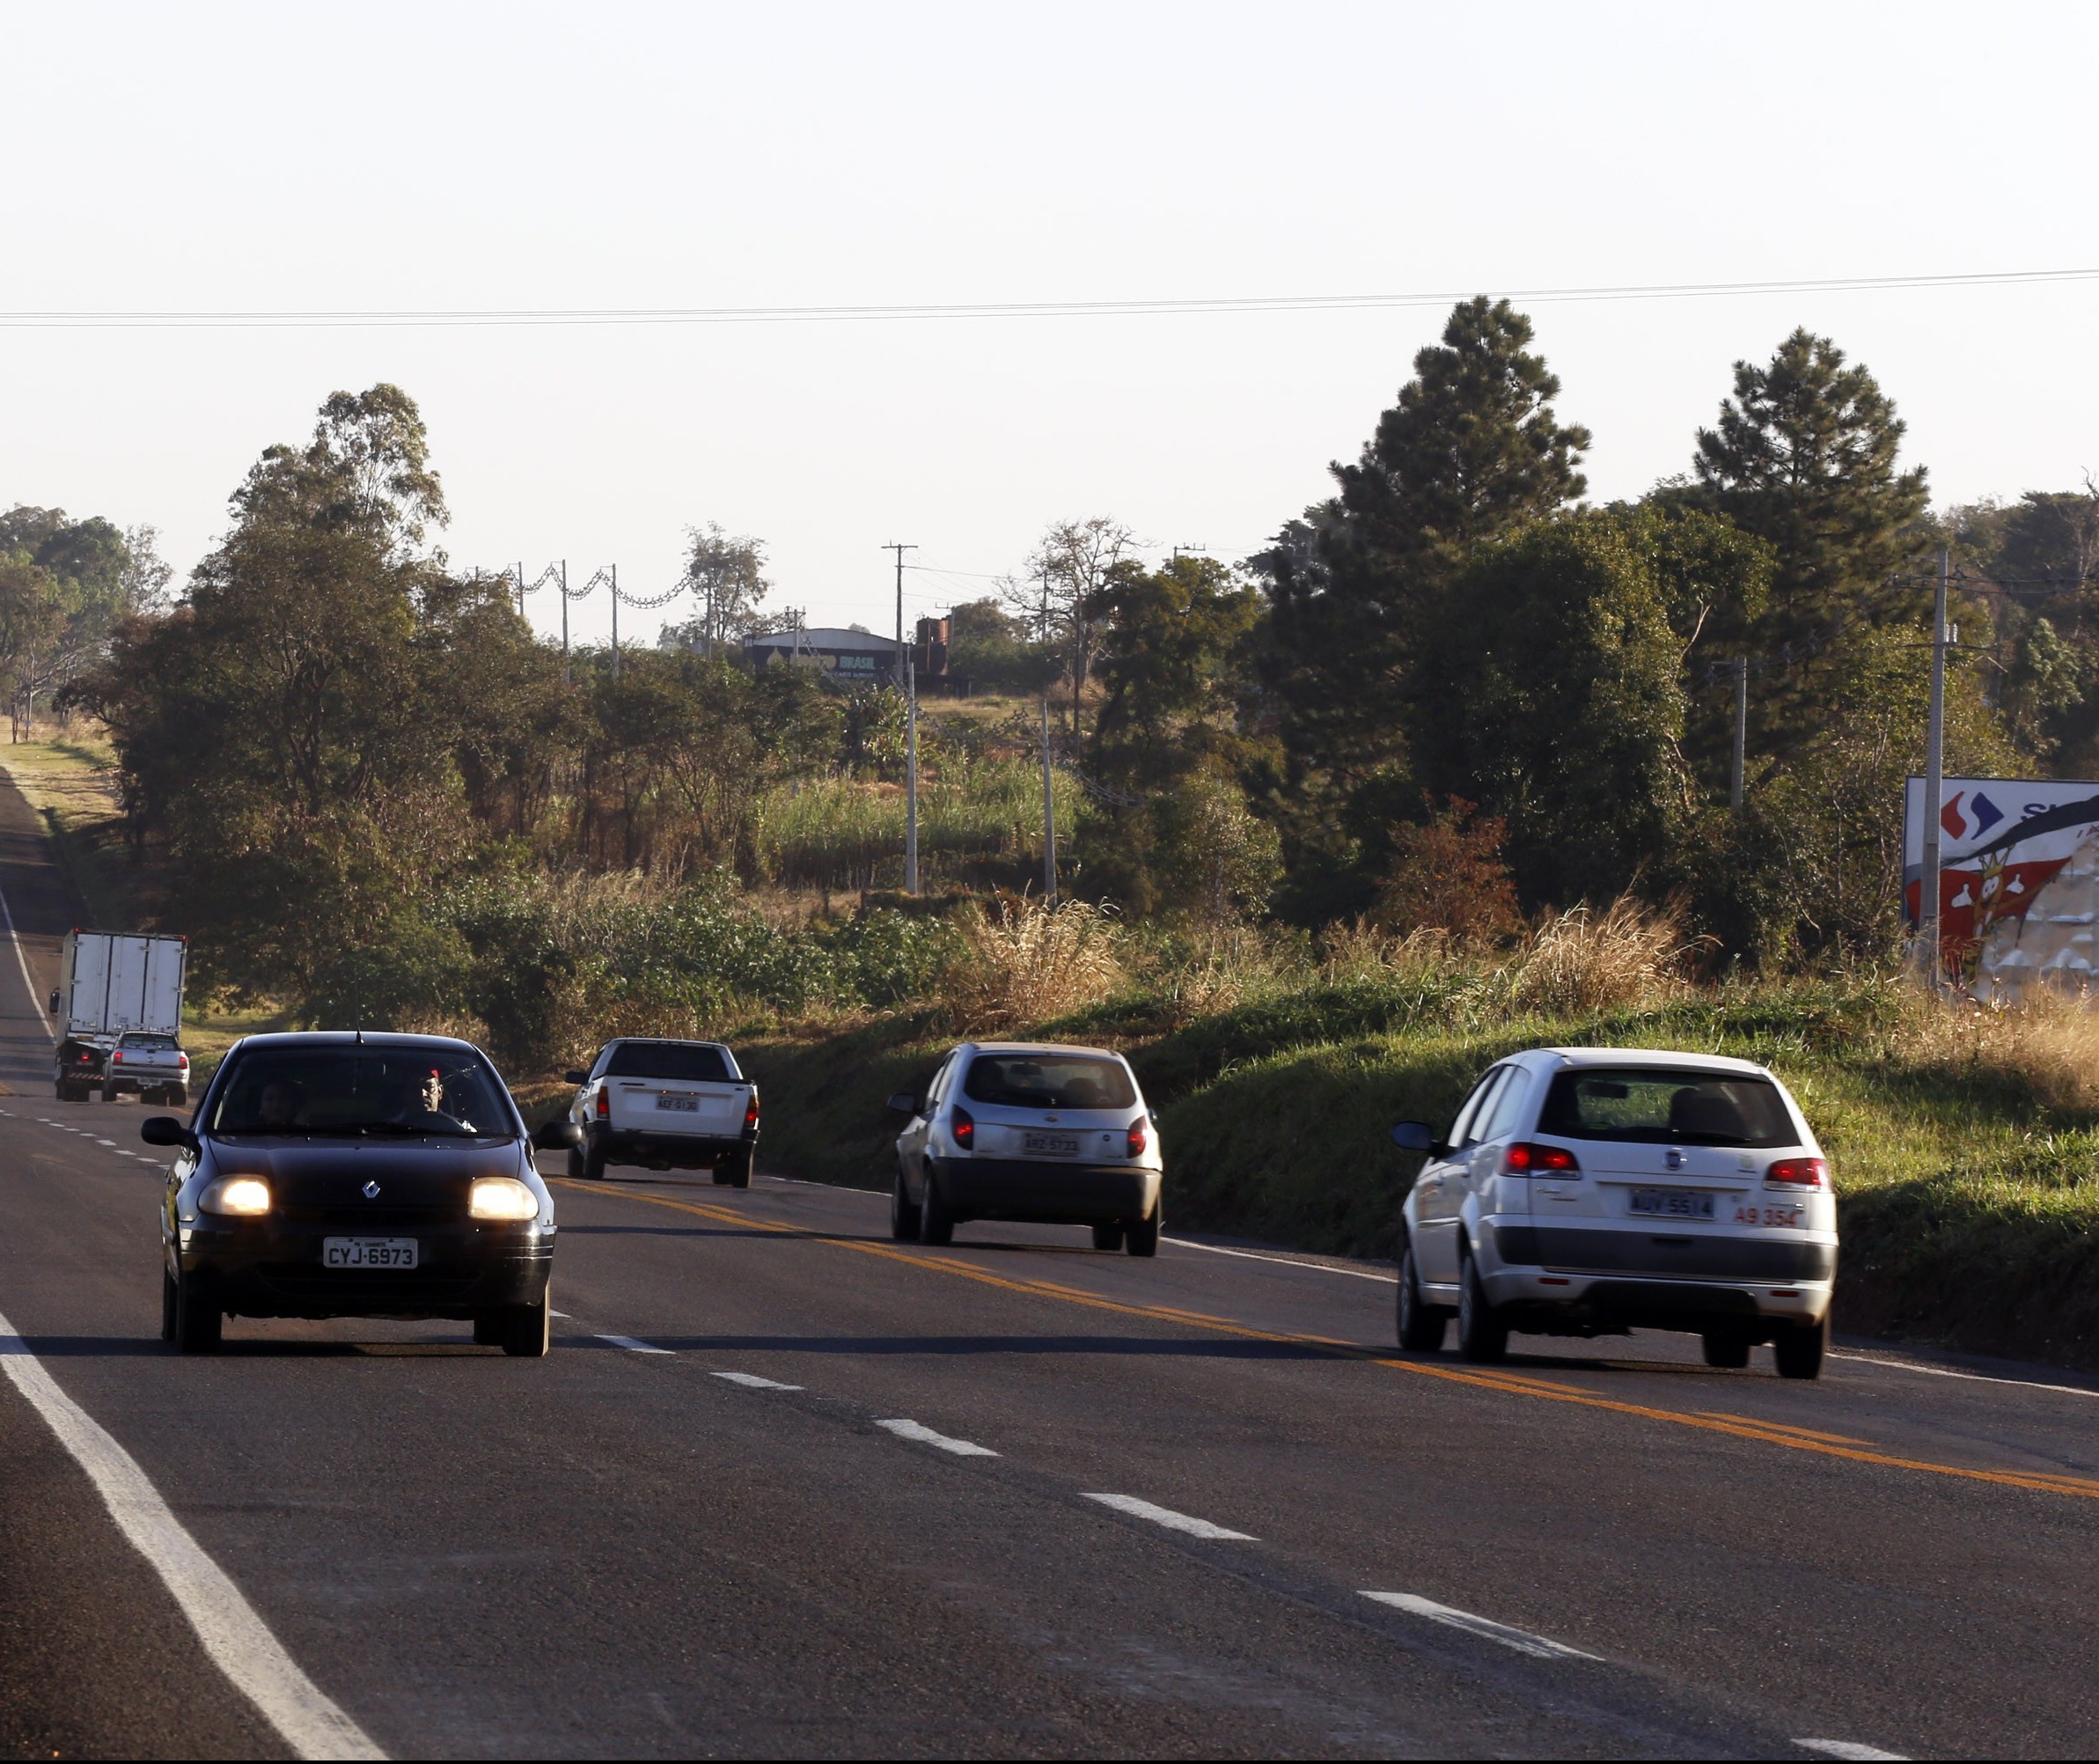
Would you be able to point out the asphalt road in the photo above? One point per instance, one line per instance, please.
(785, 1488)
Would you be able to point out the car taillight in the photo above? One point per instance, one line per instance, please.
(117, 1058)
(604, 1105)
(1799, 1172)
(1137, 1139)
(1525, 1158)
(182, 1060)
(751, 1113)
(963, 1125)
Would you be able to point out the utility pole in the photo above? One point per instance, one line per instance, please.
(521, 588)
(1935, 790)
(1049, 815)
(564, 622)
(1741, 731)
(614, 574)
(909, 682)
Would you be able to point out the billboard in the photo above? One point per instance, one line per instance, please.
(2018, 882)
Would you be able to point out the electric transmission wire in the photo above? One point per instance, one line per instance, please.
(453, 317)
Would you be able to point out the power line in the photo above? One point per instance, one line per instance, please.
(461, 316)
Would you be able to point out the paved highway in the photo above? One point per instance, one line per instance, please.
(785, 1488)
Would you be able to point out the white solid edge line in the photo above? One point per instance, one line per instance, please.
(238, 1642)
(925, 1436)
(1538, 1647)
(28, 985)
(631, 1345)
(1845, 1748)
(752, 1381)
(1171, 1520)
(1287, 1260)
(1948, 1372)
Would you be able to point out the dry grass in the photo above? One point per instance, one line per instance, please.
(1579, 960)
(2050, 1044)
(1026, 962)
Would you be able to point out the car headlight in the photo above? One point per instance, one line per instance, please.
(503, 1197)
(245, 1197)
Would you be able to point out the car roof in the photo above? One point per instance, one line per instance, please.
(1042, 1048)
(354, 1038)
(661, 1041)
(1664, 1057)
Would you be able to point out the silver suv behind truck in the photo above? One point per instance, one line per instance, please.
(152, 1066)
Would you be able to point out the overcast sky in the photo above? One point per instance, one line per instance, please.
(432, 156)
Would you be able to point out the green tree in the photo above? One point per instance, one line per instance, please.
(726, 576)
(1471, 450)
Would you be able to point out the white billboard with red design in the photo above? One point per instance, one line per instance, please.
(2018, 881)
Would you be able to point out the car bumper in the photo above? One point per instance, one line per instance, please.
(1047, 1193)
(147, 1080)
(1555, 1278)
(670, 1150)
(266, 1269)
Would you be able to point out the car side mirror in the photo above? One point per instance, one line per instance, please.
(575, 1077)
(903, 1103)
(1414, 1136)
(53, 1005)
(559, 1134)
(165, 1129)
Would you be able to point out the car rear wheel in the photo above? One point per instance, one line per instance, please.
(1727, 1348)
(198, 1320)
(528, 1329)
(1107, 1236)
(1481, 1334)
(593, 1161)
(1800, 1346)
(1142, 1238)
(737, 1172)
(936, 1223)
(1422, 1324)
(903, 1217)
(109, 1093)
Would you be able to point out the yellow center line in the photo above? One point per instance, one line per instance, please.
(1783, 1427)
(2039, 1481)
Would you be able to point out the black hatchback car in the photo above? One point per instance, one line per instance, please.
(355, 1175)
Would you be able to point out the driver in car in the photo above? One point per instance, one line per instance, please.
(424, 1107)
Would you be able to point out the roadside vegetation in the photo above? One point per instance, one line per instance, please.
(1442, 772)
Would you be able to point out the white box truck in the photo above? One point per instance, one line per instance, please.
(111, 984)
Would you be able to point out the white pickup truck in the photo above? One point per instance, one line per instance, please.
(665, 1105)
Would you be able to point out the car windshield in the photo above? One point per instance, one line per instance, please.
(1656, 1105)
(1049, 1081)
(361, 1089)
(148, 1044)
(696, 1062)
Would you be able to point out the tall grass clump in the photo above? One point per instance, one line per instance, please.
(1023, 961)
(1579, 961)
(2047, 1048)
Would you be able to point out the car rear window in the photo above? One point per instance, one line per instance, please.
(148, 1044)
(1660, 1105)
(1049, 1081)
(696, 1062)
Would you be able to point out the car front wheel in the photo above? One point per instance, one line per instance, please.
(198, 1320)
(903, 1217)
(1422, 1324)
(936, 1223)
(528, 1329)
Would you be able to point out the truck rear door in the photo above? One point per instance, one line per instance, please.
(676, 1106)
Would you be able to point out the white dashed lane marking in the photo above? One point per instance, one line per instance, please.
(751, 1381)
(1845, 1748)
(631, 1345)
(1171, 1520)
(1538, 1647)
(925, 1436)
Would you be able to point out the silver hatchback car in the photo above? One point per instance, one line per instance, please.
(1030, 1131)
(1587, 1191)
